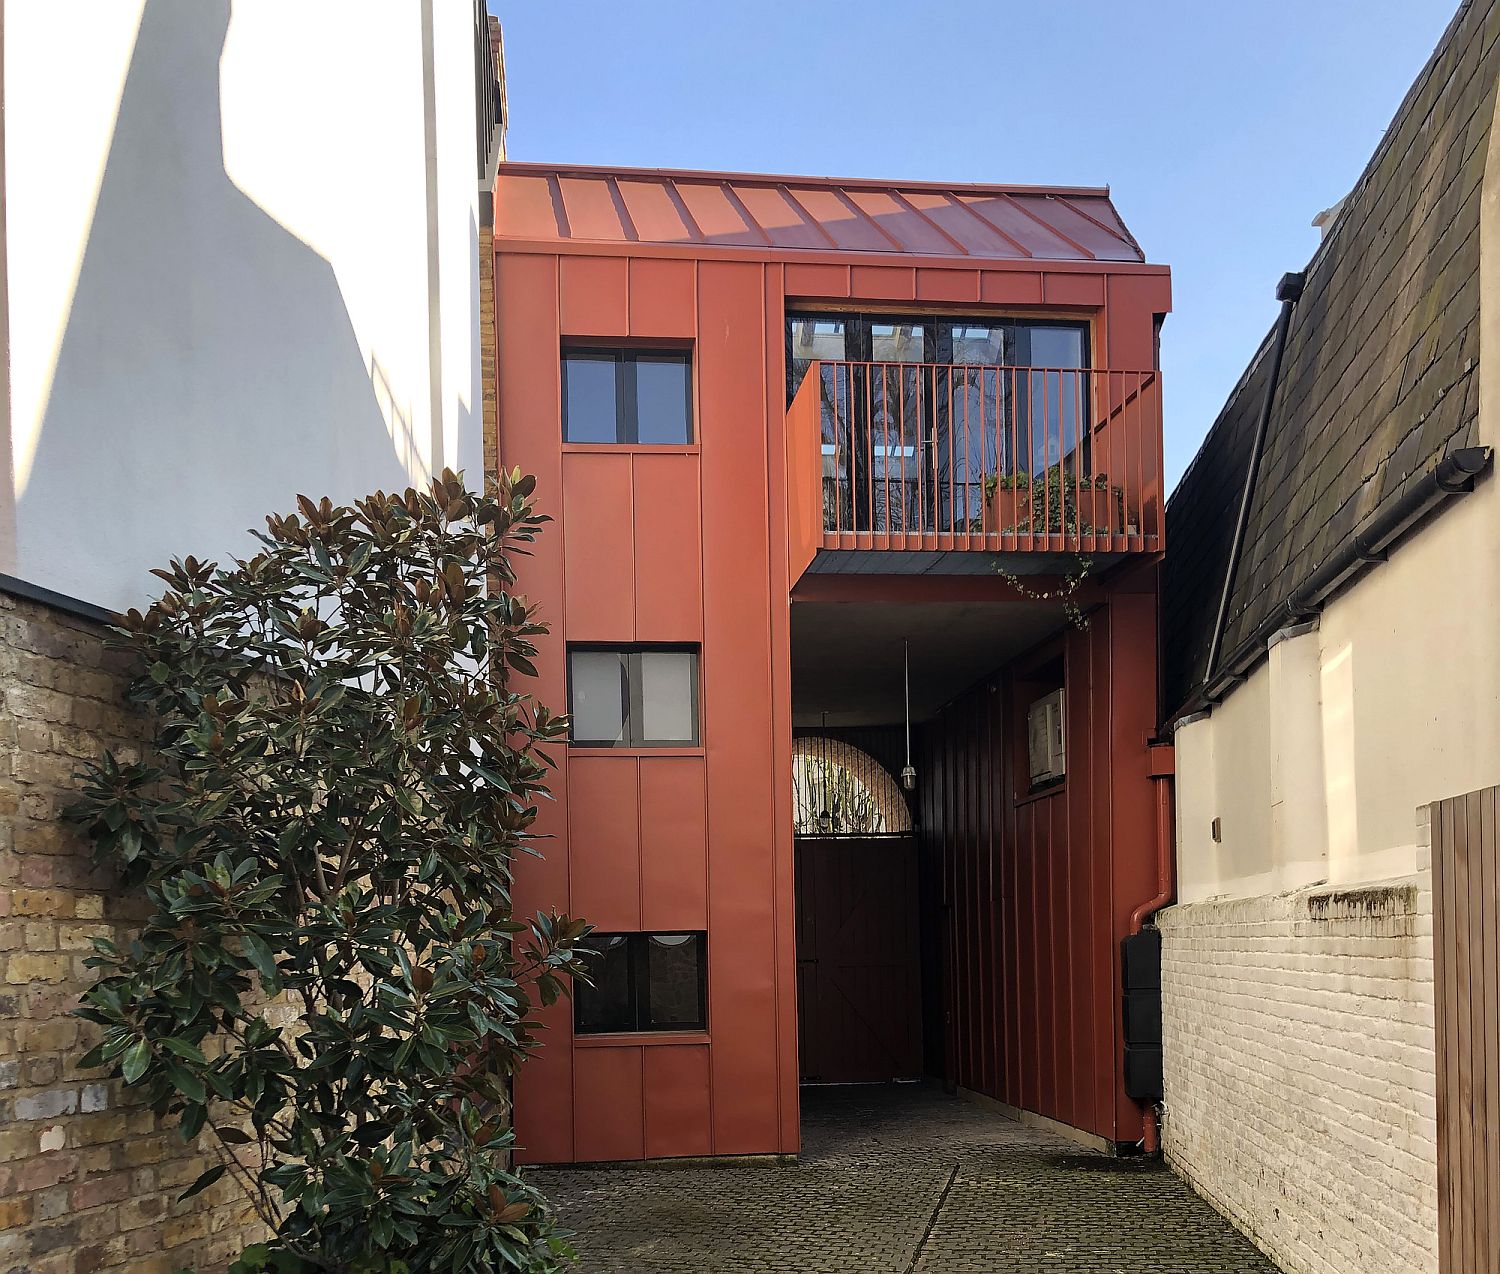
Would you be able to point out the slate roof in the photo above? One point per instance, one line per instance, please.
(1381, 373)
(551, 203)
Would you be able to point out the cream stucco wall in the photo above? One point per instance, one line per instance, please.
(241, 263)
(1317, 765)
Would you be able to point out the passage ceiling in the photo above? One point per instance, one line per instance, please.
(846, 656)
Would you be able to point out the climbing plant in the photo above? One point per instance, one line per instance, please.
(1053, 503)
(330, 990)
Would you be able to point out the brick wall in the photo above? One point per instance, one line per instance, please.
(1300, 1084)
(88, 1179)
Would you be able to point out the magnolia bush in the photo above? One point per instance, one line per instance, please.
(331, 990)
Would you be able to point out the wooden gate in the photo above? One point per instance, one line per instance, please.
(1466, 916)
(859, 1004)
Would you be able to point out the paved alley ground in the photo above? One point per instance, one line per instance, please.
(895, 1180)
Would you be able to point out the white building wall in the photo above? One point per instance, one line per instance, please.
(1297, 981)
(233, 271)
(1300, 1087)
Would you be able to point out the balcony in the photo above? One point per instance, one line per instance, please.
(925, 467)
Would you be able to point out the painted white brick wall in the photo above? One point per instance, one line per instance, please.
(1299, 1071)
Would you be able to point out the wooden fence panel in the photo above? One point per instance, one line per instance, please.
(1466, 970)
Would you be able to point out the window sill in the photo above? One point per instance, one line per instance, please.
(1030, 798)
(603, 749)
(616, 448)
(618, 1039)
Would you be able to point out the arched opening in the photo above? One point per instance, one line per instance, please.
(858, 952)
(841, 790)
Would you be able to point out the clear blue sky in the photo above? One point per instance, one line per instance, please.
(1223, 128)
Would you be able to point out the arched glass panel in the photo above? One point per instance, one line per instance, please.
(839, 790)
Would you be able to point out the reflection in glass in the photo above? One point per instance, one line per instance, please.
(589, 409)
(662, 389)
(597, 695)
(607, 1005)
(668, 693)
(674, 981)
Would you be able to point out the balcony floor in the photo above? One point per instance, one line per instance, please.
(884, 561)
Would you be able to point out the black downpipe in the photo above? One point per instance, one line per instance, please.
(1288, 292)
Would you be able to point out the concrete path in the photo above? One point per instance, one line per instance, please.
(896, 1180)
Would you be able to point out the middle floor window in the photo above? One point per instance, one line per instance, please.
(633, 696)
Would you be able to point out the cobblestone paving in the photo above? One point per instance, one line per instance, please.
(900, 1180)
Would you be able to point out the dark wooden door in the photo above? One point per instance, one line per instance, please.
(859, 1001)
(1466, 976)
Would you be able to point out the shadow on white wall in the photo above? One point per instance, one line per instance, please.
(208, 370)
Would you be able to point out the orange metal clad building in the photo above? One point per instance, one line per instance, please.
(782, 424)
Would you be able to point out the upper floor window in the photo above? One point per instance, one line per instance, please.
(627, 395)
(633, 697)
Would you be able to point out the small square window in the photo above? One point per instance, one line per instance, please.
(633, 697)
(631, 396)
(643, 982)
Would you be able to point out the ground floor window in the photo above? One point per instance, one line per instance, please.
(643, 982)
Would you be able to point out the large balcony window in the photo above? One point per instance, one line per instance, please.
(921, 415)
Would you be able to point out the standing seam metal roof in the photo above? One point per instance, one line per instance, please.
(545, 203)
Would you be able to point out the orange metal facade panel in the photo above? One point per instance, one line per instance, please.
(743, 763)
(804, 476)
(674, 832)
(662, 303)
(678, 1106)
(1010, 287)
(897, 220)
(817, 281)
(524, 206)
(882, 282)
(948, 285)
(599, 602)
(847, 227)
(785, 225)
(717, 216)
(604, 839)
(1016, 222)
(609, 1101)
(590, 208)
(592, 291)
(951, 216)
(654, 213)
(1075, 289)
(526, 317)
(667, 551)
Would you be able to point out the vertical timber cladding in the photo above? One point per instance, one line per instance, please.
(1466, 963)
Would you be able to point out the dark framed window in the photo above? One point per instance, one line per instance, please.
(632, 396)
(643, 982)
(633, 696)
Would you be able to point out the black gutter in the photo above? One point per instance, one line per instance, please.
(1288, 292)
(1370, 542)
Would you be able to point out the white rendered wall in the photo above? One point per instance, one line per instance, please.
(233, 272)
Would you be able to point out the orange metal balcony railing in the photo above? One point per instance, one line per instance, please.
(926, 456)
